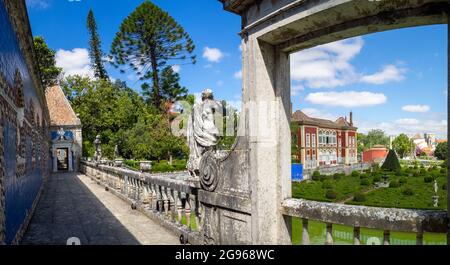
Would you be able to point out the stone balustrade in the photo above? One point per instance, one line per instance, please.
(385, 219)
(168, 198)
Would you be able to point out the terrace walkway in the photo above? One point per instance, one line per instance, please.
(72, 205)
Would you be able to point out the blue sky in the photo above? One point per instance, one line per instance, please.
(394, 80)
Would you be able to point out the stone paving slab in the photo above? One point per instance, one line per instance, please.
(72, 205)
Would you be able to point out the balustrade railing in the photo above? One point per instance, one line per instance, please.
(385, 219)
(170, 198)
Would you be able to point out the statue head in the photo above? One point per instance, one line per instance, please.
(207, 94)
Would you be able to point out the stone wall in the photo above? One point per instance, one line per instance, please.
(24, 120)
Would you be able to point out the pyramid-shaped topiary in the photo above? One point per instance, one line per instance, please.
(391, 162)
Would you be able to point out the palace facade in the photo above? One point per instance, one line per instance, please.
(321, 142)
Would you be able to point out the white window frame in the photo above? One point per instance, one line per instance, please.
(307, 140)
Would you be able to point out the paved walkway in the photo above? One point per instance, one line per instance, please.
(75, 206)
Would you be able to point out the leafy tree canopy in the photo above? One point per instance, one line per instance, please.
(373, 137)
(441, 151)
(47, 64)
(121, 117)
(402, 145)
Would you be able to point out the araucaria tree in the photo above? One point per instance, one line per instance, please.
(95, 50)
(148, 40)
(47, 64)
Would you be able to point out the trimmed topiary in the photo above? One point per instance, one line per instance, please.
(327, 185)
(376, 178)
(355, 174)
(331, 194)
(394, 184)
(428, 179)
(359, 197)
(403, 180)
(444, 186)
(408, 191)
(365, 182)
(416, 174)
(391, 162)
(316, 176)
(364, 176)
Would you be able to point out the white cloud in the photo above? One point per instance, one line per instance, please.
(238, 74)
(388, 74)
(347, 98)
(74, 62)
(329, 66)
(326, 66)
(315, 113)
(406, 126)
(176, 68)
(407, 122)
(212, 54)
(416, 108)
(39, 4)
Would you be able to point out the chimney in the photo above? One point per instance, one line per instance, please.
(351, 118)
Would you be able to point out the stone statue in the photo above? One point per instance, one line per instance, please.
(202, 133)
(435, 187)
(436, 196)
(98, 149)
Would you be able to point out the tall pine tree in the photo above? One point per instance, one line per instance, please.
(148, 39)
(95, 50)
(171, 90)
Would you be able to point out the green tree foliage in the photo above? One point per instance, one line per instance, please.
(121, 117)
(441, 151)
(171, 90)
(95, 50)
(391, 163)
(104, 108)
(47, 64)
(373, 137)
(151, 139)
(402, 145)
(148, 39)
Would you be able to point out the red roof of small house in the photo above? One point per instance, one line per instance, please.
(59, 108)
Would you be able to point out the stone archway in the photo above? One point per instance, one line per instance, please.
(271, 31)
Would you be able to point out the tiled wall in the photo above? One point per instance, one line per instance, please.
(24, 135)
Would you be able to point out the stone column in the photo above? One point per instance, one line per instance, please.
(55, 160)
(266, 82)
(70, 155)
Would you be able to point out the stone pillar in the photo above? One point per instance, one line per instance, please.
(70, 155)
(55, 160)
(266, 81)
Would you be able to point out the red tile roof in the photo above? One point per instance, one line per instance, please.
(59, 108)
(340, 123)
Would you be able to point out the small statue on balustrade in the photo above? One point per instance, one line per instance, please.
(202, 132)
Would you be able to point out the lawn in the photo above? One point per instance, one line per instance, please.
(412, 187)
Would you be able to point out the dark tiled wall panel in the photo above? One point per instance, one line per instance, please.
(24, 149)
